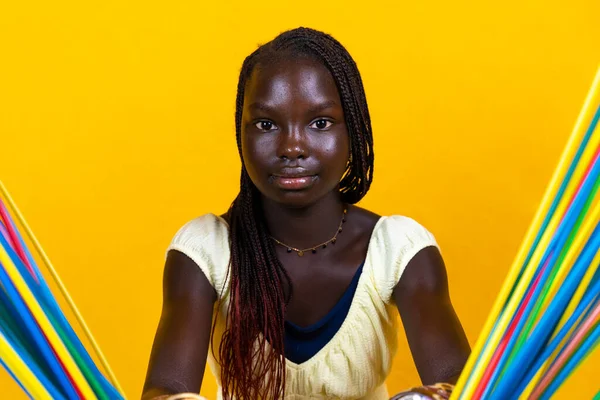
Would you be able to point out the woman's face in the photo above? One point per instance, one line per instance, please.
(295, 142)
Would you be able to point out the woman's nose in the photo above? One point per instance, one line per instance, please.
(293, 144)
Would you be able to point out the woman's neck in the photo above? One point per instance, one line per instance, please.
(304, 227)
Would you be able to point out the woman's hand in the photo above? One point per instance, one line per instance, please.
(439, 391)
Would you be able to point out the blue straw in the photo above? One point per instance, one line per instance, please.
(3, 230)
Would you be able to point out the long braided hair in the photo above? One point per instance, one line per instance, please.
(259, 285)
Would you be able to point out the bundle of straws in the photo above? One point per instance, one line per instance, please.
(38, 346)
(546, 319)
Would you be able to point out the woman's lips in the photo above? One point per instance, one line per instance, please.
(294, 182)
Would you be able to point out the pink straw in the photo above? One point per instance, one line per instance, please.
(566, 353)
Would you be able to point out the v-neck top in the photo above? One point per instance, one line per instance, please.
(303, 342)
(355, 362)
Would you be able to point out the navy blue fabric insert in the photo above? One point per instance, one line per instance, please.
(301, 343)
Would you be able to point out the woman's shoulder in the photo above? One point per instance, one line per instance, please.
(202, 231)
(395, 241)
(204, 224)
(205, 240)
(403, 226)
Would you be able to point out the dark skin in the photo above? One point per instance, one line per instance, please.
(293, 127)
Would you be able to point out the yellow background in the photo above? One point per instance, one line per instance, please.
(116, 127)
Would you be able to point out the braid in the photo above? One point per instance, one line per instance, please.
(259, 285)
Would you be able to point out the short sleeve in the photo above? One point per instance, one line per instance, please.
(395, 241)
(205, 240)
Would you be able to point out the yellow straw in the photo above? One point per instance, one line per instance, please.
(15, 211)
(21, 371)
(469, 375)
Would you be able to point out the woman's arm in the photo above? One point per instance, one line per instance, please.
(182, 339)
(436, 338)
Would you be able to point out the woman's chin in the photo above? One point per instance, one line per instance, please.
(297, 199)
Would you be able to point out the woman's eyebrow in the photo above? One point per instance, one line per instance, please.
(262, 107)
(322, 106)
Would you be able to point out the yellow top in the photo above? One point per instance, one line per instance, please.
(356, 361)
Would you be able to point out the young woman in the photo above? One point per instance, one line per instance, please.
(294, 292)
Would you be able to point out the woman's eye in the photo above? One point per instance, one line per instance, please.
(321, 124)
(265, 125)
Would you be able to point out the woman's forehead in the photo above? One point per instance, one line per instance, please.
(289, 79)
